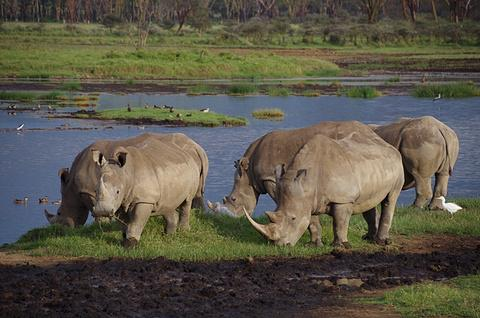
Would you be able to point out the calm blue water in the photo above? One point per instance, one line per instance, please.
(29, 161)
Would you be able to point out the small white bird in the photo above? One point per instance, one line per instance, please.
(20, 127)
(450, 207)
(205, 110)
(438, 97)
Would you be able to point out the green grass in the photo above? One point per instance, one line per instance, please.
(242, 89)
(201, 90)
(454, 90)
(164, 116)
(71, 86)
(394, 79)
(310, 93)
(278, 91)
(215, 237)
(458, 297)
(362, 92)
(269, 113)
(30, 96)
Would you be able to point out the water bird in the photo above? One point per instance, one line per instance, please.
(12, 106)
(450, 207)
(188, 114)
(12, 114)
(437, 97)
(141, 127)
(20, 127)
(168, 107)
(205, 110)
(179, 115)
(129, 108)
(43, 200)
(21, 201)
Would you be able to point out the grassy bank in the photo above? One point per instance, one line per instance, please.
(455, 90)
(31, 96)
(179, 117)
(458, 297)
(215, 237)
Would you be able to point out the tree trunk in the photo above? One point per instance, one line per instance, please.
(434, 11)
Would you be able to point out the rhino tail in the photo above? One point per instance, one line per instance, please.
(451, 147)
(198, 201)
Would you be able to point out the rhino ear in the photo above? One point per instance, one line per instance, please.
(64, 173)
(300, 175)
(98, 158)
(279, 172)
(121, 156)
(244, 163)
(273, 216)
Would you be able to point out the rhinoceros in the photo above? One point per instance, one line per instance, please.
(428, 147)
(152, 177)
(254, 174)
(79, 183)
(338, 177)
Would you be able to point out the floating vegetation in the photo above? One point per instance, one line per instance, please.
(269, 114)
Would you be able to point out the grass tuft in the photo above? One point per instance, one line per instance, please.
(30, 96)
(242, 89)
(363, 92)
(201, 90)
(215, 237)
(71, 86)
(269, 113)
(278, 91)
(454, 90)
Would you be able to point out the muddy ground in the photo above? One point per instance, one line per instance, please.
(323, 286)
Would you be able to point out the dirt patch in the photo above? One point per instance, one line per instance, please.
(322, 286)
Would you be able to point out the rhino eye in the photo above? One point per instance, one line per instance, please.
(118, 191)
(293, 218)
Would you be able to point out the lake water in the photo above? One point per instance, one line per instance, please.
(29, 161)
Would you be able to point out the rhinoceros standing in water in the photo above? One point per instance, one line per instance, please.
(79, 183)
(338, 177)
(428, 147)
(255, 175)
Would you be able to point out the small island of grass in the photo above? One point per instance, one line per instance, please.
(268, 113)
(163, 116)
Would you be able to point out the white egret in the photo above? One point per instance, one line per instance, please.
(450, 207)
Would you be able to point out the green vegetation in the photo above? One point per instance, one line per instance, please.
(201, 90)
(242, 89)
(462, 89)
(71, 86)
(180, 117)
(394, 79)
(30, 96)
(363, 92)
(459, 297)
(310, 93)
(214, 237)
(278, 91)
(269, 113)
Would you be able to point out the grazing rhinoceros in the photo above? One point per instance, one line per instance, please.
(79, 183)
(255, 175)
(428, 147)
(338, 177)
(152, 177)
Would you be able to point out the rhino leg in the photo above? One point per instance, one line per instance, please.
(341, 218)
(315, 229)
(138, 219)
(185, 208)
(371, 218)
(423, 188)
(171, 220)
(440, 189)
(386, 217)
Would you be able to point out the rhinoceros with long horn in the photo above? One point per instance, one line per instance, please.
(428, 147)
(254, 172)
(338, 177)
(79, 183)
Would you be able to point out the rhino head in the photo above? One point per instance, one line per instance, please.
(72, 211)
(243, 195)
(111, 186)
(292, 216)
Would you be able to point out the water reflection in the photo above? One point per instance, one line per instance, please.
(30, 160)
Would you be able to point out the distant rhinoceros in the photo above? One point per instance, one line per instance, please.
(79, 183)
(428, 147)
(254, 174)
(152, 177)
(338, 177)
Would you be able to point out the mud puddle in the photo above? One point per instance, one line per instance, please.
(323, 286)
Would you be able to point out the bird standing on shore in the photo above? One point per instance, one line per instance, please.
(205, 110)
(450, 207)
(437, 97)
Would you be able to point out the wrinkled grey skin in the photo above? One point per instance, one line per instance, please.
(338, 177)
(255, 174)
(153, 177)
(428, 148)
(79, 183)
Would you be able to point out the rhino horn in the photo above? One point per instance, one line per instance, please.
(52, 218)
(263, 229)
(211, 205)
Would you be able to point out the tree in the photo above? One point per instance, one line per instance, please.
(372, 8)
(143, 21)
(412, 6)
(331, 7)
(458, 9)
